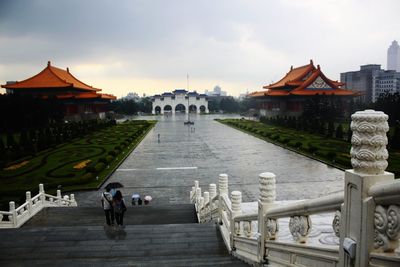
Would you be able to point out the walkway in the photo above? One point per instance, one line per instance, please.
(166, 169)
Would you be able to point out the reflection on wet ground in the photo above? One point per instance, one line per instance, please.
(173, 155)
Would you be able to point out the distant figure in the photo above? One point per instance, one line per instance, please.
(135, 198)
(147, 200)
(107, 203)
(159, 138)
(140, 201)
(119, 208)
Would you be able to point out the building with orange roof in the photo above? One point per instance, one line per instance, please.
(80, 100)
(287, 97)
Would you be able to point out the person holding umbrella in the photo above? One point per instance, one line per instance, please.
(107, 203)
(135, 199)
(119, 208)
(147, 199)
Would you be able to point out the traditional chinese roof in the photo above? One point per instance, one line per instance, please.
(306, 80)
(51, 77)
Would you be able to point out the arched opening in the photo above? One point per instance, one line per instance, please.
(192, 109)
(167, 108)
(180, 108)
(202, 109)
(157, 110)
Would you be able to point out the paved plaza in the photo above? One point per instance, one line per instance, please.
(166, 169)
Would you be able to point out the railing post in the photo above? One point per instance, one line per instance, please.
(222, 189)
(236, 200)
(42, 196)
(368, 158)
(29, 200)
(14, 213)
(206, 196)
(73, 201)
(213, 190)
(267, 197)
(59, 198)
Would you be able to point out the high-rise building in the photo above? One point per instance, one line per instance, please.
(361, 81)
(393, 57)
(385, 81)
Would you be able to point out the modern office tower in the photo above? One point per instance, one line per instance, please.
(385, 81)
(393, 57)
(361, 81)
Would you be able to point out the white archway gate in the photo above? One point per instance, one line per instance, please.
(179, 97)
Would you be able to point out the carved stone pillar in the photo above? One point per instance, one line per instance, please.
(236, 200)
(14, 213)
(222, 189)
(369, 161)
(266, 200)
(42, 196)
(213, 190)
(29, 200)
(223, 184)
(206, 196)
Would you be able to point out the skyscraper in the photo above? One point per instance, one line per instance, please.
(393, 57)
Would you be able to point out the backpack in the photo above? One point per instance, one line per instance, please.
(119, 206)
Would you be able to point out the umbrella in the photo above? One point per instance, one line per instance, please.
(114, 185)
(148, 198)
(135, 195)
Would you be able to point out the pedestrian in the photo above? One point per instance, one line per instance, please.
(147, 200)
(135, 198)
(119, 208)
(139, 201)
(159, 138)
(107, 203)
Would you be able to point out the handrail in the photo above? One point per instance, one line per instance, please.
(311, 206)
(386, 192)
(246, 217)
(16, 217)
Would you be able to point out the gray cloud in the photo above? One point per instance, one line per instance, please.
(248, 43)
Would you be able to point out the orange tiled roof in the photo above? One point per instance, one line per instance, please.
(298, 80)
(293, 76)
(51, 77)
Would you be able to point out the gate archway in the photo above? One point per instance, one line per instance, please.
(192, 108)
(157, 110)
(180, 108)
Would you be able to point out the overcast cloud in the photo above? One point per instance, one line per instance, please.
(149, 46)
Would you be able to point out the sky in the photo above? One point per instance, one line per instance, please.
(150, 46)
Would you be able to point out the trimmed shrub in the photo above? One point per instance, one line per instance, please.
(99, 167)
(331, 155)
(285, 140)
(103, 160)
(112, 153)
(312, 149)
(298, 145)
(109, 158)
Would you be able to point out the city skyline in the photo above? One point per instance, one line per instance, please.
(149, 47)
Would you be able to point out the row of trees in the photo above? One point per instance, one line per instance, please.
(18, 112)
(311, 125)
(29, 142)
(131, 106)
(229, 104)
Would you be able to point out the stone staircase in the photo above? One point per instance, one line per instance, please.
(152, 236)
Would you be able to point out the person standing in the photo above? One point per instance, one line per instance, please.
(106, 202)
(119, 207)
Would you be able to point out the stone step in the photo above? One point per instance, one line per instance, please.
(135, 215)
(132, 245)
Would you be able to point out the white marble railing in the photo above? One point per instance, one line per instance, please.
(359, 227)
(16, 217)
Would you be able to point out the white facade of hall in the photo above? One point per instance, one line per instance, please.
(179, 100)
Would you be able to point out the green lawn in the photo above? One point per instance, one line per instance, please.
(103, 151)
(335, 152)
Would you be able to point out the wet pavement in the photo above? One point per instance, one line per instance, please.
(166, 168)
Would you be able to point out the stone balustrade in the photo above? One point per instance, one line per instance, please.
(364, 218)
(17, 216)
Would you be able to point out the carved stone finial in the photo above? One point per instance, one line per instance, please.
(267, 187)
(271, 226)
(236, 198)
(387, 228)
(213, 190)
(368, 151)
(223, 184)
